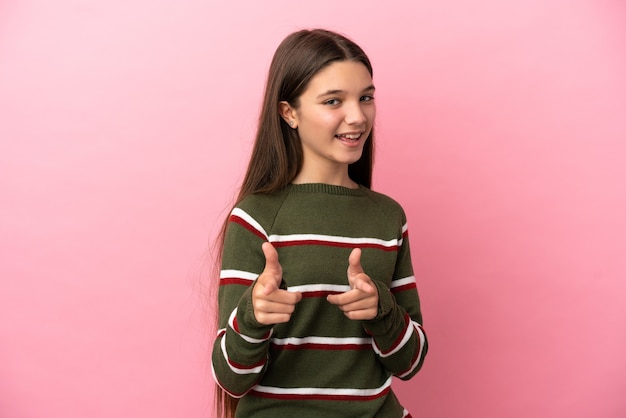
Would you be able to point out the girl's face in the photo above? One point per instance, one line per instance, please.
(334, 117)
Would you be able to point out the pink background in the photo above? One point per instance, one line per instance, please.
(125, 126)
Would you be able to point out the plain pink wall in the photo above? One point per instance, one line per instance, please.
(124, 129)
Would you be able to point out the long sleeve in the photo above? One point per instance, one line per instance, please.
(240, 350)
(398, 337)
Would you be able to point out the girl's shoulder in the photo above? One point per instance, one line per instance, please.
(262, 200)
(261, 207)
(385, 202)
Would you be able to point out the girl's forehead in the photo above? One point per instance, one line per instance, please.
(342, 75)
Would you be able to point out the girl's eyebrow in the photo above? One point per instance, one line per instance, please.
(331, 92)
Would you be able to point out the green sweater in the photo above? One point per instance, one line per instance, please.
(320, 363)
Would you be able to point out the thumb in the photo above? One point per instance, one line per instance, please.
(273, 272)
(356, 275)
(354, 263)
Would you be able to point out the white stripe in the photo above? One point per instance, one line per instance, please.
(419, 355)
(321, 340)
(402, 282)
(231, 323)
(249, 219)
(405, 413)
(405, 338)
(333, 238)
(323, 391)
(238, 274)
(320, 288)
(237, 370)
(405, 228)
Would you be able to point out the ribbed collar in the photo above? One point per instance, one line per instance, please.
(326, 188)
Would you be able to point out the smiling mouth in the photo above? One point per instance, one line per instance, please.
(349, 137)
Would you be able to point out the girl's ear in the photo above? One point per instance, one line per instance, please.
(288, 113)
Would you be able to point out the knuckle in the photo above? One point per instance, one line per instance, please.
(260, 305)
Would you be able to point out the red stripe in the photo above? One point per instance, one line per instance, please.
(236, 325)
(413, 360)
(236, 219)
(320, 397)
(318, 346)
(407, 323)
(239, 365)
(236, 328)
(235, 280)
(319, 293)
(245, 367)
(417, 353)
(333, 244)
(404, 287)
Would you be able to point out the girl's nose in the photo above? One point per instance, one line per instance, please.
(355, 114)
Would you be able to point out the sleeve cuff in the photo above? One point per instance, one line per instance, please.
(246, 321)
(384, 319)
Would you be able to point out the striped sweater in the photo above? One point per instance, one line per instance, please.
(320, 363)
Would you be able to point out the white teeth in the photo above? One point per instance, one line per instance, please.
(353, 136)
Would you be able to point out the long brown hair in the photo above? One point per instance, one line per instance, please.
(277, 153)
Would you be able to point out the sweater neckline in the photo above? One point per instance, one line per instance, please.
(326, 189)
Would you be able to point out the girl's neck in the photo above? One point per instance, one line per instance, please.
(339, 178)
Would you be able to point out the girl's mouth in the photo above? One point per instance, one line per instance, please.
(349, 137)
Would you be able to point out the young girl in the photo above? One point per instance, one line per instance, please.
(318, 307)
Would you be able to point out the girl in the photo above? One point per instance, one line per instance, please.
(318, 307)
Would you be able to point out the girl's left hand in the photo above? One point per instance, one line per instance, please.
(361, 301)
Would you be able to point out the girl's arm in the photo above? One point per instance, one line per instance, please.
(390, 315)
(241, 348)
(398, 337)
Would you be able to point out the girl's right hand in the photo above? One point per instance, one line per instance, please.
(271, 304)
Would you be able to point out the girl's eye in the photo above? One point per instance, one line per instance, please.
(367, 98)
(332, 102)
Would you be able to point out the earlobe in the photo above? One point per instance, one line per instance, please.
(288, 113)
